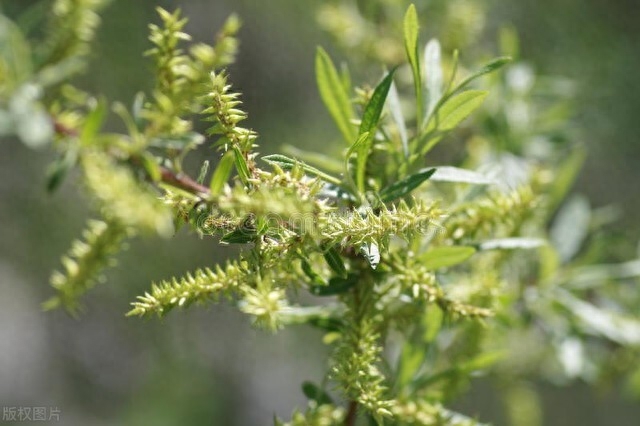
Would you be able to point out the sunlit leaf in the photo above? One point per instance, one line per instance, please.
(222, 173)
(442, 257)
(457, 175)
(369, 123)
(511, 243)
(410, 29)
(333, 94)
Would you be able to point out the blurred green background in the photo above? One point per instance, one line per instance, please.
(207, 365)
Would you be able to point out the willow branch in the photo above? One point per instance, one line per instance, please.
(168, 176)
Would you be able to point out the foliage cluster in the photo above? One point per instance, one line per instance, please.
(422, 276)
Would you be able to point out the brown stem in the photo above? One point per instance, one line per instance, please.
(167, 176)
(350, 419)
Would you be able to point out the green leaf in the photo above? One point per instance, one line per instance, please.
(241, 235)
(15, 53)
(93, 122)
(452, 113)
(222, 173)
(315, 393)
(287, 163)
(151, 166)
(334, 260)
(356, 147)
(442, 257)
(405, 186)
(368, 125)
(457, 175)
(336, 285)
(241, 165)
(59, 169)
(410, 29)
(565, 177)
(487, 68)
(310, 273)
(333, 94)
(432, 322)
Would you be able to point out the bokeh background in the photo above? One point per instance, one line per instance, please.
(207, 365)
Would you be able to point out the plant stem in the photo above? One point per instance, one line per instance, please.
(178, 180)
(350, 419)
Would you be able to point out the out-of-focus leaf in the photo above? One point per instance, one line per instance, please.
(597, 275)
(411, 358)
(334, 95)
(369, 123)
(457, 175)
(433, 77)
(442, 257)
(222, 173)
(594, 320)
(315, 393)
(432, 322)
(393, 102)
(487, 68)
(15, 53)
(410, 29)
(59, 169)
(571, 227)
(151, 166)
(565, 177)
(93, 122)
(336, 285)
(287, 163)
(315, 159)
(405, 186)
(511, 243)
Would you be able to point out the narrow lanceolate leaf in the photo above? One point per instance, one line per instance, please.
(241, 165)
(411, 29)
(332, 256)
(222, 172)
(370, 120)
(487, 68)
(356, 147)
(287, 163)
(452, 113)
(442, 257)
(457, 175)
(433, 77)
(333, 94)
(405, 186)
